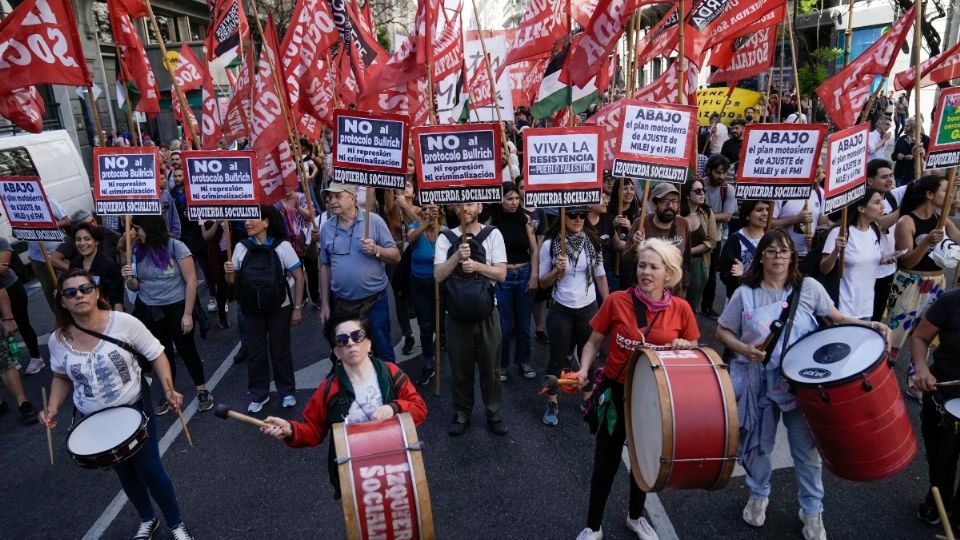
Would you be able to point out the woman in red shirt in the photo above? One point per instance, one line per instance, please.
(670, 323)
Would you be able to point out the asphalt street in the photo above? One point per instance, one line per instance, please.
(532, 483)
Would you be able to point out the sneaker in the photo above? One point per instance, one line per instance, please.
(163, 406)
(928, 514)
(813, 526)
(206, 400)
(458, 427)
(642, 528)
(408, 344)
(542, 337)
(257, 406)
(550, 414)
(503, 374)
(590, 534)
(34, 367)
(755, 512)
(289, 401)
(426, 375)
(146, 530)
(180, 532)
(527, 371)
(28, 415)
(497, 427)
(212, 305)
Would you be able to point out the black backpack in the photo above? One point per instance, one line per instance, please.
(261, 281)
(469, 297)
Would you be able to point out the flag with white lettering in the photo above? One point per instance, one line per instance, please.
(940, 68)
(609, 119)
(268, 128)
(753, 57)
(23, 107)
(448, 47)
(187, 74)
(211, 117)
(39, 44)
(311, 33)
(316, 98)
(844, 95)
(597, 40)
(238, 111)
(478, 86)
(227, 29)
(665, 88)
(408, 62)
(661, 39)
(134, 66)
(542, 26)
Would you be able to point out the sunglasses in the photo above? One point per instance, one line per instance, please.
(577, 215)
(698, 191)
(342, 340)
(85, 289)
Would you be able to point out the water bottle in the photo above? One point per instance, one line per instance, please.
(14, 347)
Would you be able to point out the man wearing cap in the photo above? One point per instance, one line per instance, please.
(65, 251)
(666, 224)
(353, 281)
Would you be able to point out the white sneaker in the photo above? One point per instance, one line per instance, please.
(289, 401)
(257, 406)
(755, 512)
(590, 534)
(642, 528)
(34, 367)
(212, 305)
(813, 528)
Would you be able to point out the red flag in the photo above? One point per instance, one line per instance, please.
(308, 37)
(237, 118)
(134, 8)
(448, 48)
(665, 88)
(134, 64)
(187, 74)
(418, 104)
(733, 20)
(178, 116)
(268, 128)
(317, 97)
(409, 60)
(366, 54)
(347, 86)
(844, 95)
(542, 26)
(753, 57)
(940, 68)
(609, 119)
(525, 78)
(478, 87)
(597, 40)
(607, 73)
(39, 44)
(226, 30)
(661, 39)
(24, 107)
(277, 173)
(211, 117)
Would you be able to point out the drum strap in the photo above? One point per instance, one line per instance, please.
(144, 362)
(783, 325)
(640, 311)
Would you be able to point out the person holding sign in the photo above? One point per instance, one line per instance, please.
(572, 275)
(666, 224)
(772, 286)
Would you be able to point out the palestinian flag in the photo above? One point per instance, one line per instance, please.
(555, 95)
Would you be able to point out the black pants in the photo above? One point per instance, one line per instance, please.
(567, 327)
(710, 289)
(164, 323)
(881, 291)
(311, 267)
(606, 463)
(260, 332)
(18, 304)
(477, 344)
(401, 305)
(941, 439)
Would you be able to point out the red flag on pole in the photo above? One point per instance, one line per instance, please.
(24, 107)
(226, 30)
(268, 128)
(134, 64)
(309, 36)
(211, 117)
(188, 70)
(542, 26)
(940, 68)
(753, 57)
(237, 118)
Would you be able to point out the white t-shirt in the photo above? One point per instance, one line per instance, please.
(107, 376)
(288, 258)
(876, 150)
(493, 245)
(785, 209)
(888, 240)
(367, 399)
(572, 290)
(860, 261)
(721, 137)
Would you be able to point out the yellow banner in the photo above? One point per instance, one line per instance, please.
(711, 100)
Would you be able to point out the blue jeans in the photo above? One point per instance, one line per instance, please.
(379, 320)
(515, 305)
(143, 476)
(422, 300)
(806, 465)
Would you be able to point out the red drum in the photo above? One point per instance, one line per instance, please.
(382, 483)
(848, 394)
(681, 419)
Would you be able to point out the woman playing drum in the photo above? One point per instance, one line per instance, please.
(762, 394)
(103, 375)
(361, 388)
(670, 322)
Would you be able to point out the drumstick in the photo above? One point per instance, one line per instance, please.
(943, 513)
(949, 383)
(222, 411)
(180, 415)
(43, 392)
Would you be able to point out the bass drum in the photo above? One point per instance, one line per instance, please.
(382, 483)
(681, 419)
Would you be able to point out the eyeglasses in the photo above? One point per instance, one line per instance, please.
(342, 340)
(698, 191)
(85, 289)
(774, 253)
(577, 215)
(669, 202)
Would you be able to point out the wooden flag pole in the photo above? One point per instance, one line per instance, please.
(783, 60)
(948, 198)
(126, 91)
(848, 33)
(491, 81)
(184, 106)
(918, 125)
(43, 392)
(796, 73)
(95, 112)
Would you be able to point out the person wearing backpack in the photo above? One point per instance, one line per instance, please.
(467, 270)
(270, 286)
(740, 249)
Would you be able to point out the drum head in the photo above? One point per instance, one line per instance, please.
(833, 355)
(646, 419)
(952, 407)
(104, 431)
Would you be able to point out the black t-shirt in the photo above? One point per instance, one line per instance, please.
(903, 168)
(945, 315)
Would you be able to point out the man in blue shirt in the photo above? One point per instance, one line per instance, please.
(353, 280)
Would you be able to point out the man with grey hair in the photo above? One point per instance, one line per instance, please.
(878, 140)
(67, 250)
(906, 151)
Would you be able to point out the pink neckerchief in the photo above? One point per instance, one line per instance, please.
(654, 305)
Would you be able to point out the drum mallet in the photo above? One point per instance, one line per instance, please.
(183, 422)
(947, 528)
(551, 384)
(43, 391)
(222, 411)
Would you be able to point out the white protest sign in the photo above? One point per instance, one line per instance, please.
(28, 210)
(779, 161)
(563, 166)
(655, 141)
(221, 184)
(846, 168)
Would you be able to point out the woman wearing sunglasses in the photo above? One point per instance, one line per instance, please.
(577, 277)
(102, 374)
(771, 285)
(165, 280)
(104, 269)
(741, 248)
(704, 235)
(360, 388)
